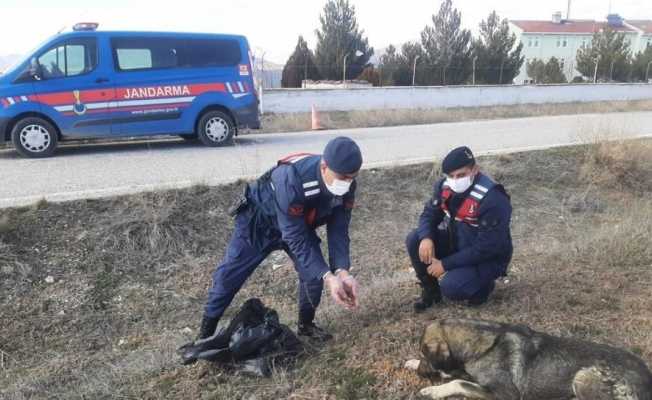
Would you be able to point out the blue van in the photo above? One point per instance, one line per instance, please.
(93, 84)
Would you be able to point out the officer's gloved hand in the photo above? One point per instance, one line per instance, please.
(351, 286)
(337, 290)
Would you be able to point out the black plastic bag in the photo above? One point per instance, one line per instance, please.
(254, 342)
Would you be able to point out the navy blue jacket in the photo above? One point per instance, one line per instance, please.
(294, 201)
(482, 239)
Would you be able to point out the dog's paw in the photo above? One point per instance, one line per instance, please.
(412, 365)
(429, 392)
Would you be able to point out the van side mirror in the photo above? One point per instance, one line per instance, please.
(35, 69)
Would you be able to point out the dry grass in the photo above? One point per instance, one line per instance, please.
(297, 122)
(131, 275)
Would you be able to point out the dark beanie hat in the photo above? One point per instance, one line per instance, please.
(342, 155)
(458, 158)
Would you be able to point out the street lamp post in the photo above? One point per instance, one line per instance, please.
(611, 71)
(474, 61)
(647, 72)
(358, 53)
(595, 74)
(502, 65)
(380, 74)
(414, 70)
(262, 69)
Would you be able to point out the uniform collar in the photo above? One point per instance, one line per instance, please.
(320, 179)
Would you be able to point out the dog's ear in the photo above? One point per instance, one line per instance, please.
(434, 349)
(468, 341)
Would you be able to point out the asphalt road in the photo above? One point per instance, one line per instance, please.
(92, 171)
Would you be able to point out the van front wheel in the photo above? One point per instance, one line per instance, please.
(34, 137)
(215, 128)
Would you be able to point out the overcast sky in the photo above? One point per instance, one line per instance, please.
(272, 26)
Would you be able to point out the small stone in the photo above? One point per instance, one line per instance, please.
(122, 342)
(186, 331)
(62, 313)
(49, 279)
(506, 281)
(276, 266)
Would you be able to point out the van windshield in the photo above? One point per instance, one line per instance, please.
(21, 60)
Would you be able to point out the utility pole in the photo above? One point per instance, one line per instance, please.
(474, 61)
(262, 69)
(611, 70)
(414, 70)
(502, 65)
(647, 72)
(380, 74)
(568, 11)
(595, 74)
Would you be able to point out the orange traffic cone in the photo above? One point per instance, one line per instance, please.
(316, 125)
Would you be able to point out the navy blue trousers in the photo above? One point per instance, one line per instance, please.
(459, 284)
(242, 259)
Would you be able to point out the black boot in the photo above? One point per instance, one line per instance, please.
(482, 296)
(309, 329)
(430, 294)
(208, 326)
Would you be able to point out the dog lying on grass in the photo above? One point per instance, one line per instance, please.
(495, 361)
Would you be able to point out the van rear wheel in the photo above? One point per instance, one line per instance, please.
(34, 137)
(215, 128)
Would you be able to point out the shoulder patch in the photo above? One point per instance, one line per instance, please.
(296, 210)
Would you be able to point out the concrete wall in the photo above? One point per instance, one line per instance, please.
(301, 100)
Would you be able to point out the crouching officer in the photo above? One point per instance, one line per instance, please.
(463, 242)
(280, 211)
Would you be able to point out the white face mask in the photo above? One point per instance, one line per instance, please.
(459, 185)
(338, 187)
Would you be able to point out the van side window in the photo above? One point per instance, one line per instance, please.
(138, 54)
(73, 57)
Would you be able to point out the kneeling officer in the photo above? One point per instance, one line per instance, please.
(281, 211)
(463, 242)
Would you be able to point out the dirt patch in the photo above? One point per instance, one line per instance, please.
(97, 295)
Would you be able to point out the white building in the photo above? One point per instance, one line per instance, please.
(562, 39)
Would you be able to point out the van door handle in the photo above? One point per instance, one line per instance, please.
(101, 80)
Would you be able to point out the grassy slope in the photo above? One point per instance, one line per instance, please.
(131, 275)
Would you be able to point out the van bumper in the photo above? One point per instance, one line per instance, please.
(247, 117)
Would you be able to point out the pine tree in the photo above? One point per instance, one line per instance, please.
(641, 66)
(611, 51)
(536, 70)
(553, 72)
(447, 47)
(389, 64)
(548, 72)
(397, 67)
(498, 59)
(410, 52)
(338, 37)
(300, 66)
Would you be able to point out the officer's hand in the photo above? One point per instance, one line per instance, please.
(427, 251)
(350, 287)
(338, 293)
(436, 269)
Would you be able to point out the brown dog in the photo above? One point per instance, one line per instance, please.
(495, 361)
